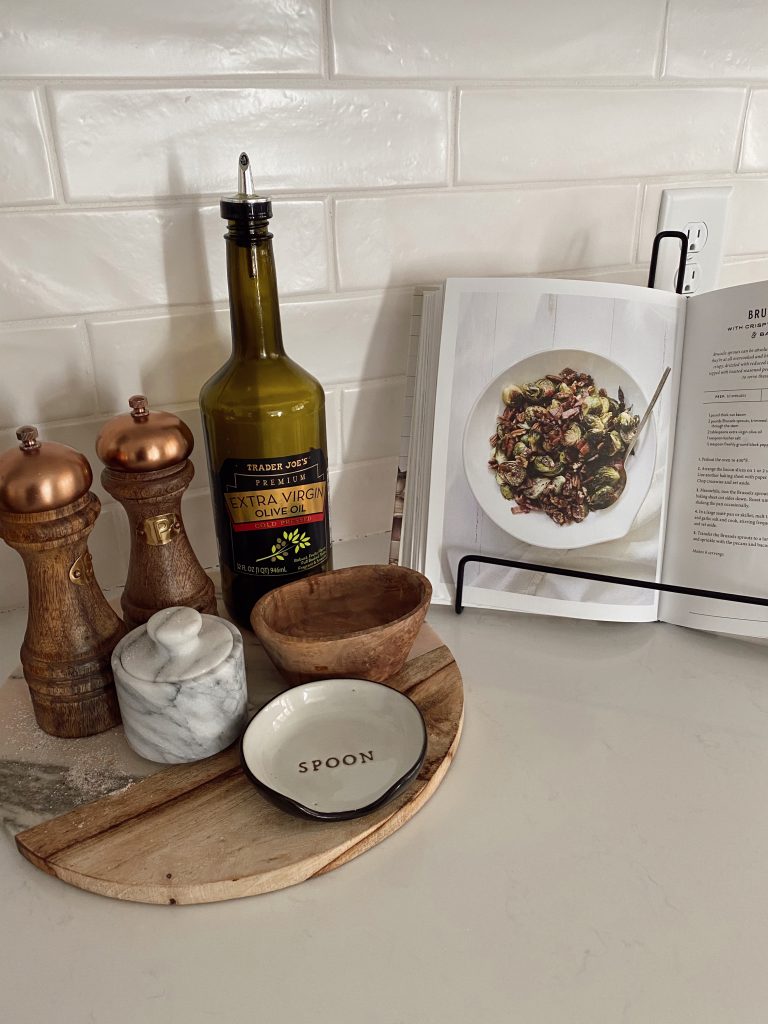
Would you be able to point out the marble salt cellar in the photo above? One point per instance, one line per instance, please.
(180, 681)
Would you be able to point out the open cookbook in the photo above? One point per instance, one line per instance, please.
(523, 441)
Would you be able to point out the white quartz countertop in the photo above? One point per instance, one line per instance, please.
(597, 853)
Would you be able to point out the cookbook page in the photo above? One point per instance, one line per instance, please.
(717, 530)
(540, 385)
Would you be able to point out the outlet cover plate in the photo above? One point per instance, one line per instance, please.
(687, 209)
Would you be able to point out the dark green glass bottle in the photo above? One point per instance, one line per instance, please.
(264, 423)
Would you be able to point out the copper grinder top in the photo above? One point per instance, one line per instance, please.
(141, 441)
(40, 476)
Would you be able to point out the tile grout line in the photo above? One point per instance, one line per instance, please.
(42, 103)
(193, 309)
(327, 40)
(163, 311)
(639, 222)
(191, 405)
(209, 201)
(92, 358)
(741, 139)
(249, 80)
(661, 59)
(332, 246)
(453, 138)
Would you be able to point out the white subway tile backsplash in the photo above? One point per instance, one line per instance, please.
(46, 374)
(350, 338)
(197, 513)
(716, 39)
(370, 550)
(497, 39)
(170, 355)
(372, 417)
(13, 578)
(24, 172)
(616, 275)
(418, 239)
(145, 38)
(754, 156)
(333, 425)
(71, 261)
(155, 142)
(747, 228)
(551, 134)
(166, 357)
(362, 498)
(735, 272)
(105, 544)
(66, 262)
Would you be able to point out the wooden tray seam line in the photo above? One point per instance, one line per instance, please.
(117, 825)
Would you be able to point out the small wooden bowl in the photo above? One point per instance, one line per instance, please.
(357, 623)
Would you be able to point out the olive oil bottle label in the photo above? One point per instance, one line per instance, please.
(276, 511)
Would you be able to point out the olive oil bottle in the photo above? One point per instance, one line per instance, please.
(264, 423)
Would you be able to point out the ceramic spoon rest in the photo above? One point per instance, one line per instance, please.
(335, 748)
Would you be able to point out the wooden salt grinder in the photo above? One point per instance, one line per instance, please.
(46, 513)
(147, 469)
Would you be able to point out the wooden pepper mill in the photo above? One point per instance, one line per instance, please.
(47, 512)
(147, 469)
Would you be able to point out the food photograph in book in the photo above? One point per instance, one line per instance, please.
(548, 385)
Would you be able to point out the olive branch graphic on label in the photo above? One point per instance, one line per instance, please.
(281, 547)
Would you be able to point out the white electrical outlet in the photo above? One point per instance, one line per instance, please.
(691, 278)
(698, 233)
(700, 213)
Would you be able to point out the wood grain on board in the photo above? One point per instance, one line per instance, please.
(200, 833)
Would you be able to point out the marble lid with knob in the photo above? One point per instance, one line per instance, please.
(40, 476)
(175, 645)
(141, 441)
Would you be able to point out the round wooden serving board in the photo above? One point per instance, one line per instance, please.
(200, 833)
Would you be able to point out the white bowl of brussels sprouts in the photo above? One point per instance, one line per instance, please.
(544, 449)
